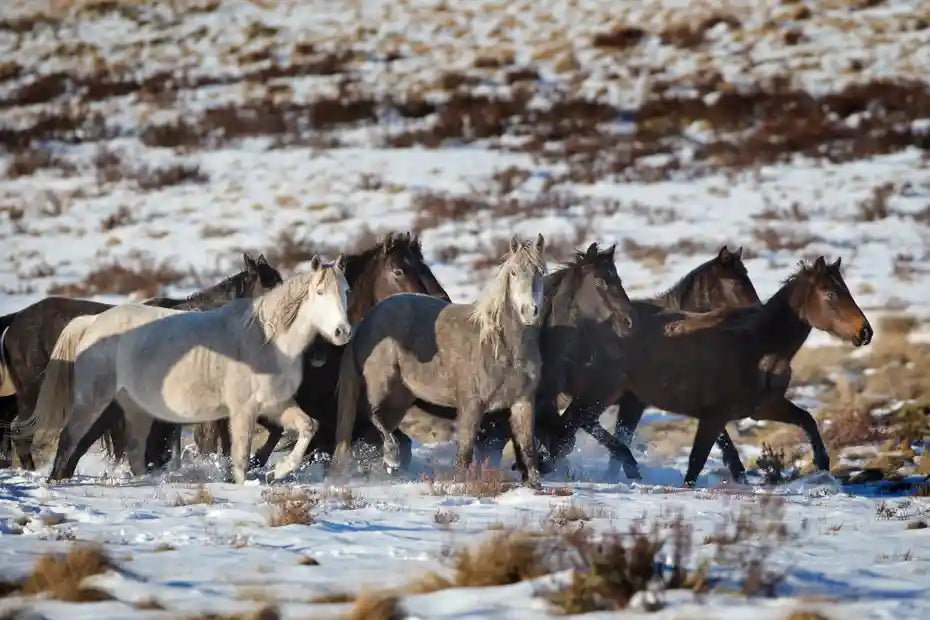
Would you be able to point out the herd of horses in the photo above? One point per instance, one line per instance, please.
(341, 353)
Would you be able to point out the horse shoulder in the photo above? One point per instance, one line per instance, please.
(681, 323)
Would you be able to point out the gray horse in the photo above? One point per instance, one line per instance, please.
(474, 357)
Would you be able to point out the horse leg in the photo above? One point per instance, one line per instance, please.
(619, 451)
(467, 424)
(731, 456)
(9, 409)
(521, 426)
(492, 436)
(391, 450)
(708, 430)
(241, 429)
(224, 434)
(786, 411)
(405, 448)
(294, 418)
(138, 427)
(275, 431)
(85, 414)
(630, 412)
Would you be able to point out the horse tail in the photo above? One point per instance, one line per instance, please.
(207, 437)
(348, 387)
(57, 389)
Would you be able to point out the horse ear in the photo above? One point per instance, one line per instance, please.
(739, 252)
(540, 243)
(262, 260)
(249, 261)
(341, 262)
(610, 251)
(514, 244)
(592, 251)
(820, 265)
(315, 263)
(724, 254)
(836, 264)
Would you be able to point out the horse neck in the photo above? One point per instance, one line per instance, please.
(291, 340)
(684, 295)
(782, 328)
(230, 288)
(358, 274)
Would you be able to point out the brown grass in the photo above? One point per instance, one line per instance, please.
(375, 606)
(806, 615)
(145, 278)
(483, 481)
(290, 506)
(60, 576)
(201, 495)
(267, 612)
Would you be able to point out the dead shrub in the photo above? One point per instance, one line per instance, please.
(774, 239)
(290, 506)
(267, 612)
(146, 278)
(201, 495)
(287, 250)
(148, 179)
(850, 424)
(806, 615)
(691, 33)
(60, 576)
(746, 540)
(875, 207)
(376, 606)
(433, 209)
(772, 464)
(483, 481)
(445, 518)
(619, 37)
(121, 217)
(27, 161)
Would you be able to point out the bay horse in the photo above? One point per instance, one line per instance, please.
(393, 265)
(241, 360)
(730, 364)
(30, 335)
(474, 357)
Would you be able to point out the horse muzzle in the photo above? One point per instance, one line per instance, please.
(864, 336)
(342, 334)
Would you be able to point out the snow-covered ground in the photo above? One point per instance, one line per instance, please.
(246, 96)
(840, 554)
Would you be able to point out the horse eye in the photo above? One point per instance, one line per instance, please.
(513, 272)
(319, 291)
(398, 272)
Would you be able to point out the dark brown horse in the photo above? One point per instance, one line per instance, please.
(395, 265)
(33, 331)
(731, 364)
(719, 282)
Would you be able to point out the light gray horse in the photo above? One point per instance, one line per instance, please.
(239, 361)
(474, 357)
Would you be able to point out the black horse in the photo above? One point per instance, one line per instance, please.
(30, 335)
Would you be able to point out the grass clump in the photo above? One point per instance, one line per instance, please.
(290, 506)
(61, 576)
(201, 495)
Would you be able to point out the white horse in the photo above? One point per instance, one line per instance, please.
(238, 361)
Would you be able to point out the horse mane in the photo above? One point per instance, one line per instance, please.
(490, 307)
(672, 298)
(277, 309)
(792, 287)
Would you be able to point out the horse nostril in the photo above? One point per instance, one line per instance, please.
(629, 322)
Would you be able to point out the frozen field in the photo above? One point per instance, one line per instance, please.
(144, 147)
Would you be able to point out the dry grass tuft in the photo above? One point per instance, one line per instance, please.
(806, 615)
(201, 495)
(265, 613)
(485, 481)
(290, 506)
(60, 576)
(375, 606)
(145, 279)
(445, 518)
(503, 558)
